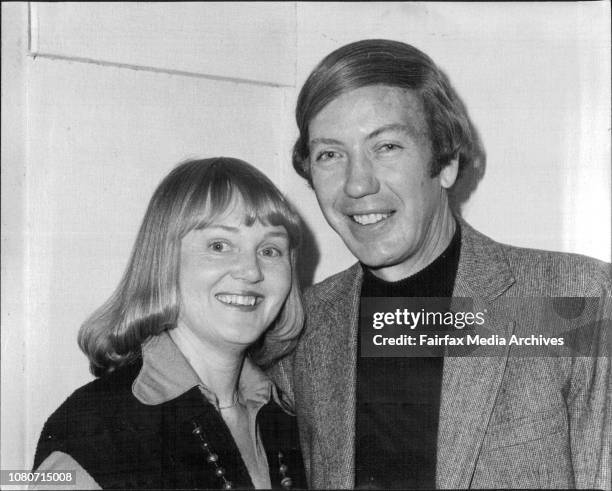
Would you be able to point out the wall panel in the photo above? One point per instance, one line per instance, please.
(243, 40)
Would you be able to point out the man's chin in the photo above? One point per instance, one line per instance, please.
(373, 259)
(386, 266)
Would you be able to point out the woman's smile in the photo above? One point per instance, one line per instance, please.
(239, 299)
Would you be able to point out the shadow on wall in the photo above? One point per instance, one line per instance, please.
(470, 176)
(465, 186)
(308, 255)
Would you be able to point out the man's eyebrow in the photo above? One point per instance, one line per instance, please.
(390, 127)
(404, 128)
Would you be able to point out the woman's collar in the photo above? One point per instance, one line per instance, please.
(166, 374)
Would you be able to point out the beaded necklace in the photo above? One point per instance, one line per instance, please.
(213, 459)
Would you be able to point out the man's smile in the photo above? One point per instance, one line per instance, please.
(370, 218)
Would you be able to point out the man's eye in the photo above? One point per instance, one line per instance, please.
(219, 246)
(271, 252)
(388, 147)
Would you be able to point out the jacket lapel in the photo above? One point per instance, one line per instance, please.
(470, 384)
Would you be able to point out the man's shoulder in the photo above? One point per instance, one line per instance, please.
(334, 288)
(562, 263)
(535, 272)
(552, 273)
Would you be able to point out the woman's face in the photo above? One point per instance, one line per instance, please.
(233, 279)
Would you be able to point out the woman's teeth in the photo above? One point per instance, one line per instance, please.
(248, 300)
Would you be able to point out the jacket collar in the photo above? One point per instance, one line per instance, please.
(166, 374)
(483, 270)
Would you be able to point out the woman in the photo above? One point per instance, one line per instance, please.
(210, 292)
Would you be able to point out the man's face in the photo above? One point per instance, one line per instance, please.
(370, 156)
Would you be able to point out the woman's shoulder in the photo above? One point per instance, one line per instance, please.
(59, 462)
(98, 394)
(86, 411)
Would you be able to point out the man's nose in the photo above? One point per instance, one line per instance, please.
(361, 178)
(247, 268)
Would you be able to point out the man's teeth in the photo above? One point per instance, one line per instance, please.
(370, 218)
(248, 300)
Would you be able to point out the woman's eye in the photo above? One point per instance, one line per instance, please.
(327, 155)
(271, 252)
(218, 246)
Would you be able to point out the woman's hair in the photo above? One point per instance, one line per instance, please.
(393, 63)
(146, 301)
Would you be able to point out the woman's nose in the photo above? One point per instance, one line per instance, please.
(247, 268)
(360, 178)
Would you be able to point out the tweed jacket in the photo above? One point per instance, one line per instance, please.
(505, 421)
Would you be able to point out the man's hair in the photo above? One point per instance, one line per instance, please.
(146, 301)
(392, 63)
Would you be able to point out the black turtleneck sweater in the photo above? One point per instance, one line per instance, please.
(398, 399)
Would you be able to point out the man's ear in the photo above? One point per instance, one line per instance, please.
(448, 174)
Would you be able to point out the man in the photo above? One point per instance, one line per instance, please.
(387, 145)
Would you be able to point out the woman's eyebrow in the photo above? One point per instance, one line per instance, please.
(229, 228)
(324, 141)
(277, 233)
(226, 228)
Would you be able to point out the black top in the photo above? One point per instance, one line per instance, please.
(398, 399)
(123, 443)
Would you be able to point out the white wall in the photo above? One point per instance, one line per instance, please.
(13, 310)
(112, 96)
